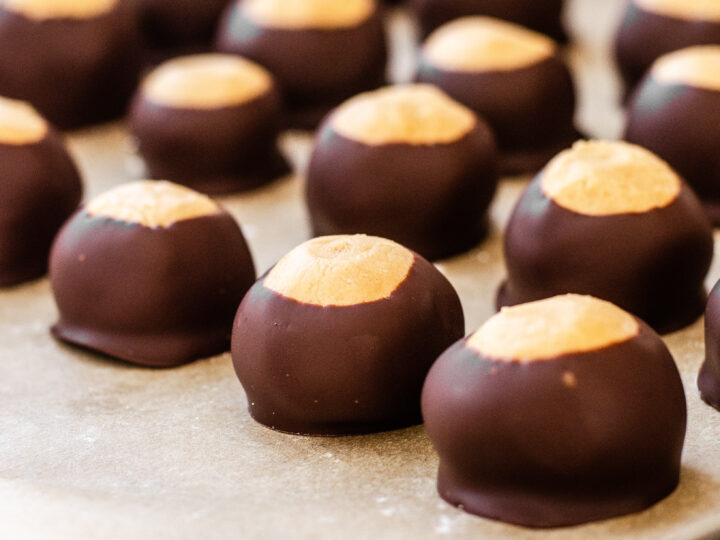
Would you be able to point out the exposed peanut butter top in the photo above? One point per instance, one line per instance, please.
(417, 114)
(601, 178)
(553, 327)
(59, 9)
(704, 10)
(341, 270)
(486, 44)
(695, 66)
(152, 203)
(298, 14)
(20, 123)
(206, 81)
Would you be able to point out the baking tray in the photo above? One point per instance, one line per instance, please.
(91, 448)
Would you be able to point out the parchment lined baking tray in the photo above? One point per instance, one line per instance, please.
(91, 448)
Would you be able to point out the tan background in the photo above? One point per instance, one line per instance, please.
(95, 449)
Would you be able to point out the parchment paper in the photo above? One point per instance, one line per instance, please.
(90, 448)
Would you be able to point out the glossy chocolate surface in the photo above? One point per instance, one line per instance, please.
(157, 297)
(541, 15)
(76, 72)
(40, 188)
(520, 444)
(530, 109)
(337, 370)
(643, 37)
(216, 151)
(651, 264)
(709, 377)
(432, 199)
(316, 69)
(681, 124)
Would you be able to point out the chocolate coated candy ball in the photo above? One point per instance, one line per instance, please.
(612, 220)
(652, 28)
(709, 378)
(406, 163)
(676, 113)
(510, 76)
(556, 413)
(321, 51)
(337, 338)
(150, 273)
(76, 61)
(39, 188)
(210, 122)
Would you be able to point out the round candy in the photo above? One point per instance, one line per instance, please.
(709, 378)
(76, 61)
(612, 220)
(676, 113)
(512, 77)
(338, 337)
(321, 51)
(150, 273)
(39, 188)
(542, 15)
(406, 163)
(652, 28)
(210, 122)
(556, 413)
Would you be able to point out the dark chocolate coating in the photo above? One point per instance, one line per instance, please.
(216, 151)
(651, 264)
(76, 72)
(518, 445)
(316, 69)
(681, 124)
(342, 370)
(174, 27)
(644, 36)
(709, 378)
(530, 109)
(544, 16)
(157, 297)
(432, 199)
(40, 188)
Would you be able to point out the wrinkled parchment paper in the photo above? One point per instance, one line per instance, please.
(90, 448)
